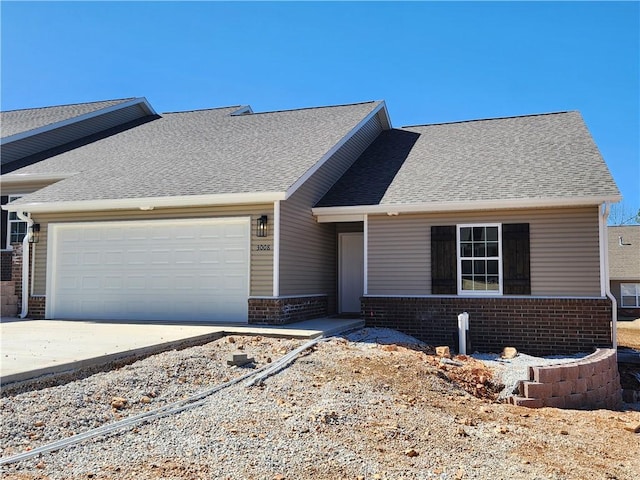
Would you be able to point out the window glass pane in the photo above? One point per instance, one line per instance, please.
(13, 216)
(492, 267)
(628, 289)
(465, 234)
(492, 283)
(467, 282)
(466, 267)
(492, 249)
(629, 301)
(478, 234)
(479, 250)
(479, 267)
(466, 250)
(492, 234)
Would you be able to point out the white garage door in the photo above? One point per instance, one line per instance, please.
(175, 270)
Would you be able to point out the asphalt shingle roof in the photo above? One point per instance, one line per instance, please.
(530, 157)
(13, 122)
(624, 260)
(199, 153)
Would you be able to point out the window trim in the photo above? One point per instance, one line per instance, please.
(637, 295)
(482, 293)
(11, 198)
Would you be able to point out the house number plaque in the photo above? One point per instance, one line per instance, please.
(263, 248)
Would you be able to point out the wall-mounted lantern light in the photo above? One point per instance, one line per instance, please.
(262, 226)
(34, 234)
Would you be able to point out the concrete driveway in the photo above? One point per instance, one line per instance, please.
(32, 348)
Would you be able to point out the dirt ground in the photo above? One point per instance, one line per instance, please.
(628, 335)
(430, 421)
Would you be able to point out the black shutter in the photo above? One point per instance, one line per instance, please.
(3, 222)
(443, 260)
(516, 274)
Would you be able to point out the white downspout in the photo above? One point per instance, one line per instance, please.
(25, 264)
(604, 273)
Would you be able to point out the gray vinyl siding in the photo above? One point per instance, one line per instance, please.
(69, 133)
(564, 244)
(261, 281)
(308, 248)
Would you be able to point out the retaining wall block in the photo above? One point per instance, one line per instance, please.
(571, 372)
(536, 389)
(580, 385)
(554, 402)
(561, 389)
(527, 402)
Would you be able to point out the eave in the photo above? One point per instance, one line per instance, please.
(147, 203)
(357, 212)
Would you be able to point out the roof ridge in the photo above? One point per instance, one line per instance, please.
(122, 100)
(203, 109)
(491, 118)
(317, 108)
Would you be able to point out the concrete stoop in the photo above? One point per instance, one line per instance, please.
(8, 299)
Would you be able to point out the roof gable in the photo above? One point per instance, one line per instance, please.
(21, 121)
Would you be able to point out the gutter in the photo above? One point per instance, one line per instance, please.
(25, 264)
(457, 206)
(604, 273)
(147, 203)
(20, 178)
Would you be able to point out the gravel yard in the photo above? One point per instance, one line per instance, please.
(372, 405)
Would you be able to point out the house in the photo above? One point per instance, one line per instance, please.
(624, 268)
(228, 215)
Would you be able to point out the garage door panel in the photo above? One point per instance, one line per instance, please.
(195, 269)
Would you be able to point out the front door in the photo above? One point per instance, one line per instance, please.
(351, 267)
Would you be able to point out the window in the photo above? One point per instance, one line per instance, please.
(630, 294)
(513, 259)
(17, 228)
(479, 259)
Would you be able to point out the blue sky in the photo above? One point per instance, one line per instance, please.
(431, 61)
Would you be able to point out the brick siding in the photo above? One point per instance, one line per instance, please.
(589, 383)
(278, 311)
(36, 307)
(534, 326)
(16, 269)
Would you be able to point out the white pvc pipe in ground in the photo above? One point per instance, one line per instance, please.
(463, 326)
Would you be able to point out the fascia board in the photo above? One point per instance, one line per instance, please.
(292, 189)
(434, 207)
(147, 203)
(53, 126)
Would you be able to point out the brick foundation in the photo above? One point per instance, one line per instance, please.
(533, 325)
(589, 383)
(278, 311)
(36, 307)
(16, 269)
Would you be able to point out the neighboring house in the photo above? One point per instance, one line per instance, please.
(624, 268)
(228, 215)
(32, 135)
